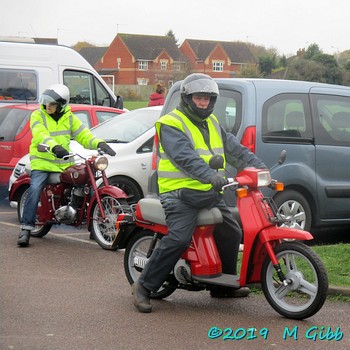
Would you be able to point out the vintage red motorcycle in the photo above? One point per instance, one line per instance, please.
(293, 278)
(73, 198)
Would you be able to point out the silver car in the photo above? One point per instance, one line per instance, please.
(131, 136)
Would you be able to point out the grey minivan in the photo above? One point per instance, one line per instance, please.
(311, 121)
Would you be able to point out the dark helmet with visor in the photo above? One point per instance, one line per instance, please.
(58, 94)
(203, 85)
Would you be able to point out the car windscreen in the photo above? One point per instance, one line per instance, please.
(128, 126)
(12, 122)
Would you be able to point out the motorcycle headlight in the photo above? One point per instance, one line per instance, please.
(101, 163)
(264, 178)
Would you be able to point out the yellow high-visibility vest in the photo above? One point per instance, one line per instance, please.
(171, 178)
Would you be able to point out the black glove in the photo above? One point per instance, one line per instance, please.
(218, 182)
(104, 147)
(60, 151)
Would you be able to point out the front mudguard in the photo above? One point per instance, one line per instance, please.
(109, 190)
(252, 263)
(17, 187)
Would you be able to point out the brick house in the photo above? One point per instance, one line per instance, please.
(219, 59)
(138, 59)
(134, 59)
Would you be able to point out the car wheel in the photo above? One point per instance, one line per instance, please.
(132, 190)
(293, 206)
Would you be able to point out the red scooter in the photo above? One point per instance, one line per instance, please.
(73, 198)
(293, 278)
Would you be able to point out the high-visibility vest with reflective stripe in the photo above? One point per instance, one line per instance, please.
(47, 131)
(171, 178)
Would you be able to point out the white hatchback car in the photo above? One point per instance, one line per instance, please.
(131, 136)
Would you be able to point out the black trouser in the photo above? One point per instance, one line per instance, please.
(181, 209)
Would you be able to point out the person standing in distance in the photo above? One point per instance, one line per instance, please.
(188, 137)
(54, 125)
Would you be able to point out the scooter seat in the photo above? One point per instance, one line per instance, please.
(152, 210)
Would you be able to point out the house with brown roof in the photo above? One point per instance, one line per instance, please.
(133, 59)
(139, 60)
(219, 59)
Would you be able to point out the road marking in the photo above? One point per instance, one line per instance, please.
(62, 235)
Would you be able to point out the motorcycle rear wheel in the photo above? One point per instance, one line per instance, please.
(137, 250)
(308, 291)
(40, 230)
(104, 232)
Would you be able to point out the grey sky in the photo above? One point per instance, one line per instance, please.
(283, 25)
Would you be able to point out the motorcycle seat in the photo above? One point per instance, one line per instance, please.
(152, 210)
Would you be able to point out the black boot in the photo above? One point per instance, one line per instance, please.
(141, 297)
(23, 238)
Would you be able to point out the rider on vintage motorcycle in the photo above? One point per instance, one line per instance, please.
(55, 125)
(189, 136)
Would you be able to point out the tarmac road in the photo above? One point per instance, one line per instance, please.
(65, 292)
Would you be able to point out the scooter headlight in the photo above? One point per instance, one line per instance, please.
(264, 178)
(101, 163)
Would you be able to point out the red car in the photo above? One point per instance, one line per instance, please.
(15, 134)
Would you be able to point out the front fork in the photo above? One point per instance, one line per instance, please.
(276, 265)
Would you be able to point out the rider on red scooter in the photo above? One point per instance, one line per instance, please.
(189, 136)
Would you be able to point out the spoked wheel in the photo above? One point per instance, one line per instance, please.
(104, 232)
(40, 230)
(306, 291)
(135, 259)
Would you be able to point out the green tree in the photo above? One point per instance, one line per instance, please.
(312, 51)
(171, 34)
(267, 64)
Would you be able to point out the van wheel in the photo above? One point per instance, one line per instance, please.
(293, 206)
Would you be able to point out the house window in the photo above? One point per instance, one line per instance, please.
(142, 81)
(143, 65)
(218, 66)
(163, 65)
(177, 66)
(119, 60)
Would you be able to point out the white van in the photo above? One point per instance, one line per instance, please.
(27, 69)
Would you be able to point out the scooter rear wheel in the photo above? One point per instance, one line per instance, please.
(135, 259)
(308, 291)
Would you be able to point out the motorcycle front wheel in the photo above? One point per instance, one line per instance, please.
(104, 232)
(135, 259)
(306, 291)
(40, 230)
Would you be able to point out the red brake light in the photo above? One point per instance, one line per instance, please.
(249, 138)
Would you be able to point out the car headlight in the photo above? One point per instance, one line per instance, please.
(19, 170)
(101, 163)
(264, 178)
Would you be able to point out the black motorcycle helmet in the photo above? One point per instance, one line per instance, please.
(199, 84)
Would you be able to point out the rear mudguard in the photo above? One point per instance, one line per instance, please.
(252, 263)
(112, 191)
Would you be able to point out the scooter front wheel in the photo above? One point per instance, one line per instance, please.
(104, 231)
(135, 259)
(306, 291)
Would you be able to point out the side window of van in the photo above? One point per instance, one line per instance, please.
(228, 109)
(18, 85)
(85, 89)
(332, 119)
(286, 118)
